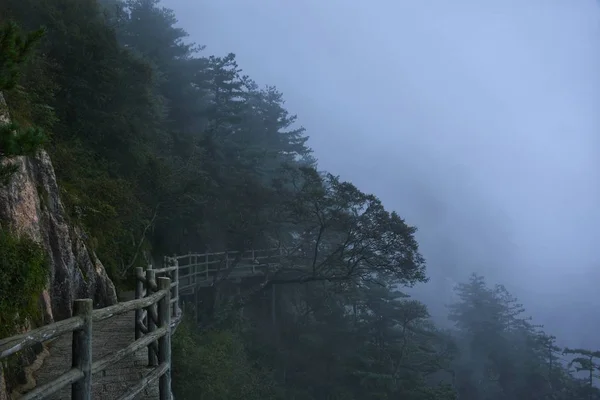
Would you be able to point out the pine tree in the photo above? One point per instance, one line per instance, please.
(15, 50)
(586, 361)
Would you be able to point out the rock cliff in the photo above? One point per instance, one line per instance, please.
(30, 204)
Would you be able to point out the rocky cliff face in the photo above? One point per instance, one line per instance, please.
(31, 205)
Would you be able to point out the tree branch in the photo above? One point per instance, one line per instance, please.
(140, 242)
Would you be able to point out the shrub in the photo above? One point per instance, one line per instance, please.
(215, 365)
(23, 276)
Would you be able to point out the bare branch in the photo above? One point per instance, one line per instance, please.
(126, 269)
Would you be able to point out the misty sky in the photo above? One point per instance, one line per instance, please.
(476, 120)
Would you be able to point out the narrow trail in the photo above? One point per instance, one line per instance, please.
(109, 336)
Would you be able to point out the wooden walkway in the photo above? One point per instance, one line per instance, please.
(103, 354)
(202, 270)
(118, 361)
(109, 336)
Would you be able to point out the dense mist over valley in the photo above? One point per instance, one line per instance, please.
(476, 121)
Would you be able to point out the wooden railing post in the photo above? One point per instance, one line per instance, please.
(150, 277)
(164, 343)
(191, 269)
(195, 271)
(206, 265)
(176, 291)
(139, 293)
(176, 287)
(82, 350)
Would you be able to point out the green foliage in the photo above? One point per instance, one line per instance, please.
(102, 109)
(214, 365)
(23, 276)
(504, 356)
(15, 141)
(343, 233)
(15, 49)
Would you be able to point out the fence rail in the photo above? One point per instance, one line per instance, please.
(197, 269)
(156, 316)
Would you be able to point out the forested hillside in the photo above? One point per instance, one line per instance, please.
(162, 148)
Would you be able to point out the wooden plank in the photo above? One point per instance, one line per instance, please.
(17, 343)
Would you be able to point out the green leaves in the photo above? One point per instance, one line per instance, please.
(15, 141)
(215, 366)
(23, 266)
(504, 356)
(341, 233)
(15, 49)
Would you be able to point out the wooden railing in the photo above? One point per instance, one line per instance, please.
(157, 315)
(146, 318)
(154, 308)
(197, 269)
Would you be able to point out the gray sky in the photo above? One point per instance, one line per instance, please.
(476, 120)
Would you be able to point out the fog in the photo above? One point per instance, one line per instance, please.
(477, 121)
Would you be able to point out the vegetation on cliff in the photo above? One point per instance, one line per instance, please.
(160, 148)
(23, 265)
(16, 49)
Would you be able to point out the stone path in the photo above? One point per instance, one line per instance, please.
(108, 336)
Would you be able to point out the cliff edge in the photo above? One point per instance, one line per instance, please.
(30, 205)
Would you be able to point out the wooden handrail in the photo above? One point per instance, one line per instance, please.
(14, 344)
(222, 253)
(196, 269)
(43, 391)
(166, 269)
(117, 356)
(122, 308)
(146, 381)
(160, 304)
